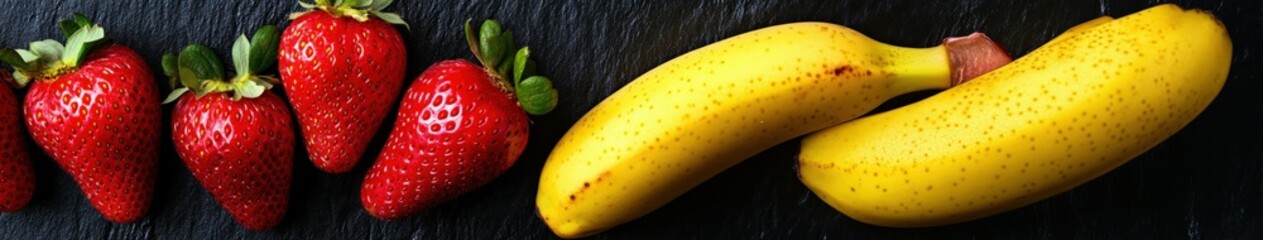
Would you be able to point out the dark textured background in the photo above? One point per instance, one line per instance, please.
(1203, 183)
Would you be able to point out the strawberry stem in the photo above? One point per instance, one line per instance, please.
(48, 59)
(494, 48)
(198, 69)
(360, 10)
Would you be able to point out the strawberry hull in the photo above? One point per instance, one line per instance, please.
(342, 77)
(101, 124)
(240, 151)
(456, 131)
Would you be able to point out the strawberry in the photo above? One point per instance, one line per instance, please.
(17, 177)
(94, 108)
(234, 135)
(459, 127)
(342, 66)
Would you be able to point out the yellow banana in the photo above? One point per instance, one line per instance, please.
(700, 113)
(1066, 113)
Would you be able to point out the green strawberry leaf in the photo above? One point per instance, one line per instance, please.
(188, 79)
(197, 68)
(20, 78)
(22, 61)
(198, 62)
(361, 4)
(490, 43)
(378, 8)
(82, 37)
(306, 5)
(45, 51)
(27, 55)
(69, 27)
(360, 10)
(349, 8)
(512, 66)
(263, 48)
(170, 65)
(241, 55)
(72, 25)
(171, 68)
(505, 67)
(391, 18)
(522, 65)
(81, 19)
(206, 87)
(471, 38)
(537, 95)
(13, 58)
(309, 8)
(249, 89)
(379, 5)
(358, 15)
(175, 94)
(81, 43)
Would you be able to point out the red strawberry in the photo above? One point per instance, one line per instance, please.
(95, 109)
(457, 130)
(459, 127)
(342, 67)
(17, 177)
(234, 135)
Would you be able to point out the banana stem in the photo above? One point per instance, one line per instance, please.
(952, 63)
(916, 69)
(974, 55)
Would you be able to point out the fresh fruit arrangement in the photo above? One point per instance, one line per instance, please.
(234, 135)
(997, 136)
(698, 114)
(459, 127)
(17, 183)
(1062, 115)
(95, 109)
(342, 67)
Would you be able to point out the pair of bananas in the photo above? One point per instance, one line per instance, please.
(1086, 102)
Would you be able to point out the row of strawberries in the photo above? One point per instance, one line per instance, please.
(93, 106)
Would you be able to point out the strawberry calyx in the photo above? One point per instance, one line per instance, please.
(198, 69)
(360, 10)
(48, 59)
(511, 67)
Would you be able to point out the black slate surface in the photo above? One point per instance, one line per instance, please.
(1202, 183)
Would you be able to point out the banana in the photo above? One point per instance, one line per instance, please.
(702, 112)
(1064, 114)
